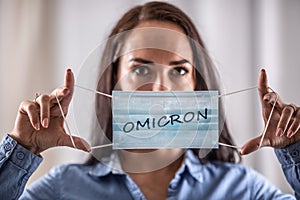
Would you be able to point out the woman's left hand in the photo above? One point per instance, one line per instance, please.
(284, 126)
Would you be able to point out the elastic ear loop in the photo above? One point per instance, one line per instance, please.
(268, 121)
(67, 124)
(65, 121)
(220, 143)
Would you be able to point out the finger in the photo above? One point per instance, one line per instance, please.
(44, 102)
(59, 94)
(263, 87)
(32, 111)
(285, 118)
(250, 146)
(64, 94)
(79, 143)
(69, 83)
(56, 97)
(272, 98)
(295, 126)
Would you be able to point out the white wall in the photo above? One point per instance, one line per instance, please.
(40, 39)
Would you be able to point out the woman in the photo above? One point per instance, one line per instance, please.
(39, 126)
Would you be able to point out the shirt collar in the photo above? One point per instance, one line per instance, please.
(111, 164)
(107, 165)
(194, 166)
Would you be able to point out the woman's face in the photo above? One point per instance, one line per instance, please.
(150, 69)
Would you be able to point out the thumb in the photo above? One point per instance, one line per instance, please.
(250, 146)
(80, 143)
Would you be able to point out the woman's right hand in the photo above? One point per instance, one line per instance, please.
(40, 124)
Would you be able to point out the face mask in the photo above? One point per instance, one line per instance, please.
(151, 120)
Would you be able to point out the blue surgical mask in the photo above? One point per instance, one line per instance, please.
(151, 120)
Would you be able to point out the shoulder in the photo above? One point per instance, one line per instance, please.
(215, 167)
(80, 172)
(241, 174)
(227, 169)
(238, 170)
(74, 170)
(226, 166)
(67, 173)
(217, 171)
(71, 168)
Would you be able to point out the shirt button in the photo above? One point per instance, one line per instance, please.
(173, 186)
(20, 155)
(200, 177)
(295, 153)
(7, 147)
(133, 187)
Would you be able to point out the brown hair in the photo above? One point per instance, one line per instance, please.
(160, 11)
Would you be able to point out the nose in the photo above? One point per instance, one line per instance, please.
(159, 87)
(161, 83)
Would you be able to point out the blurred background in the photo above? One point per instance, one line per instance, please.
(39, 40)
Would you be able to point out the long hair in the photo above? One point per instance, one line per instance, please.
(159, 11)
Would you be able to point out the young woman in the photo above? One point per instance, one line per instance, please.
(166, 173)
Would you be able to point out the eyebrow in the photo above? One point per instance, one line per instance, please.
(141, 60)
(179, 62)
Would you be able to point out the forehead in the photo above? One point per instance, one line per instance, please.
(161, 40)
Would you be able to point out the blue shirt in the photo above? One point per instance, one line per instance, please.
(215, 180)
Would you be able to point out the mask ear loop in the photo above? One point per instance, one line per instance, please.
(67, 124)
(95, 91)
(65, 121)
(268, 121)
(228, 94)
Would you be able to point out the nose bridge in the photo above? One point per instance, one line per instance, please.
(161, 82)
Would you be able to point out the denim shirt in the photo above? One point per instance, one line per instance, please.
(215, 180)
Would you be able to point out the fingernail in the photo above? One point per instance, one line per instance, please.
(241, 152)
(290, 133)
(37, 126)
(45, 122)
(267, 98)
(66, 91)
(279, 132)
(69, 70)
(86, 145)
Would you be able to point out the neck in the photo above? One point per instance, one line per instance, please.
(164, 174)
(145, 161)
(153, 173)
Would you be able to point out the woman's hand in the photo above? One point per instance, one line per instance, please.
(40, 125)
(284, 126)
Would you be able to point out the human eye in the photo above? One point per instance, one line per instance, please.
(141, 70)
(179, 71)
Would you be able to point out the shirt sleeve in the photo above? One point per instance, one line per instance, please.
(289, 159)
(16, 166)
